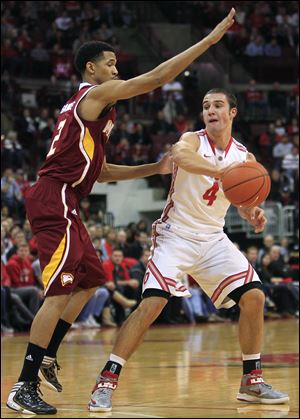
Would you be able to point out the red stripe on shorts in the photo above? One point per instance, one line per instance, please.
(158, 276)
(227, 281)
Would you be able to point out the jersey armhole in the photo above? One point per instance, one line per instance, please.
(199, 141)
(79, 101)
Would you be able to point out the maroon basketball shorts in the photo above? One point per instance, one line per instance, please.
(66, 253)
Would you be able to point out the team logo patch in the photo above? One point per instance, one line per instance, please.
(66, 278)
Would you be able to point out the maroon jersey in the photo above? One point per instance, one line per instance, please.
(77, 149)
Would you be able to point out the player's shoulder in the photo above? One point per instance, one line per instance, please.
(192, 135)
(239, 146)
(190, 139)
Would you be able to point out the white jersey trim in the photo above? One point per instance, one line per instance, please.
(63, 198)
(82, 127)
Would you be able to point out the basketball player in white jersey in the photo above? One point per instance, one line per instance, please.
(189, 239)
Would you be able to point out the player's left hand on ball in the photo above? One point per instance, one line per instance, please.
(165, 164)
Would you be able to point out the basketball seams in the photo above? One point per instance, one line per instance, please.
(248, 165)
(256, 193)
(243, 188)
(245, 181)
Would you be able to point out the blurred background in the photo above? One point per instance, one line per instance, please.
(257, 60)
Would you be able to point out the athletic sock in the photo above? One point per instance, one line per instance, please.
(251, 362)
(114, 365)
(59, 333)
(32, 362)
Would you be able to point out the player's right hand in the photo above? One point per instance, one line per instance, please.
(217, 33)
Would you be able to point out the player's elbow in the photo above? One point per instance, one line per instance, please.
(178, 153)
(104, 174)
(182, 160)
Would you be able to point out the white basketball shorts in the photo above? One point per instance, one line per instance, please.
(216, 265)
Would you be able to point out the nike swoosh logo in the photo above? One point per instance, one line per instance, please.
(206, 155)
(256, 392)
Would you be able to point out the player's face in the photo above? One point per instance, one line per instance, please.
(217, 114)
(105, 68)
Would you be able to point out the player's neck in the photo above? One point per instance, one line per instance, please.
(220, 139)
(89, 80)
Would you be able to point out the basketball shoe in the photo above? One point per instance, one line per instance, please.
(254, 389)
(47, 374)
(24, 398)
(102, 393)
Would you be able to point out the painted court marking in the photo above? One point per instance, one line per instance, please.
(90, 413)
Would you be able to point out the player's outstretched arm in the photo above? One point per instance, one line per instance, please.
(114, 172)
(113, 90)
(185, 155)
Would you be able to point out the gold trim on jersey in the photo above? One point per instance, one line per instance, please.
(88, 144)
(54, 262)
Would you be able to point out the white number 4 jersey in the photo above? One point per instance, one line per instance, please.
(196, 203)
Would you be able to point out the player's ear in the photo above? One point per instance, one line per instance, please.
(233, 112)
(90, 67)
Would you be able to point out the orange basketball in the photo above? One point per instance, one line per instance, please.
(246, 184)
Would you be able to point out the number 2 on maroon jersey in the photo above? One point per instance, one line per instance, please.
(211, 194)
(56, 138)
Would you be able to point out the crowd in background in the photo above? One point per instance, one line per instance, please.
(124, 253)
(267, 124)
(255, 22)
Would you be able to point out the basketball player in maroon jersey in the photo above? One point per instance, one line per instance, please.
(71, 270)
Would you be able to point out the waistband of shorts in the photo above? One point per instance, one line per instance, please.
(53, 181)
(48, 179)
(189, 234)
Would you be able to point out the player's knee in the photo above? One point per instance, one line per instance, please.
(252, 299)
(57, 302)
(151, 307)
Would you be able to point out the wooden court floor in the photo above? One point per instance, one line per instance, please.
(178, 372)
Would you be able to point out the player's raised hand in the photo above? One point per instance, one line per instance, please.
(217, 33)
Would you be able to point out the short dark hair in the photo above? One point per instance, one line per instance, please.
(232, 100)
(90, 51)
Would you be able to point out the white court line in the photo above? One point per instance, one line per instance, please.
(88, 412)
(135, 414)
